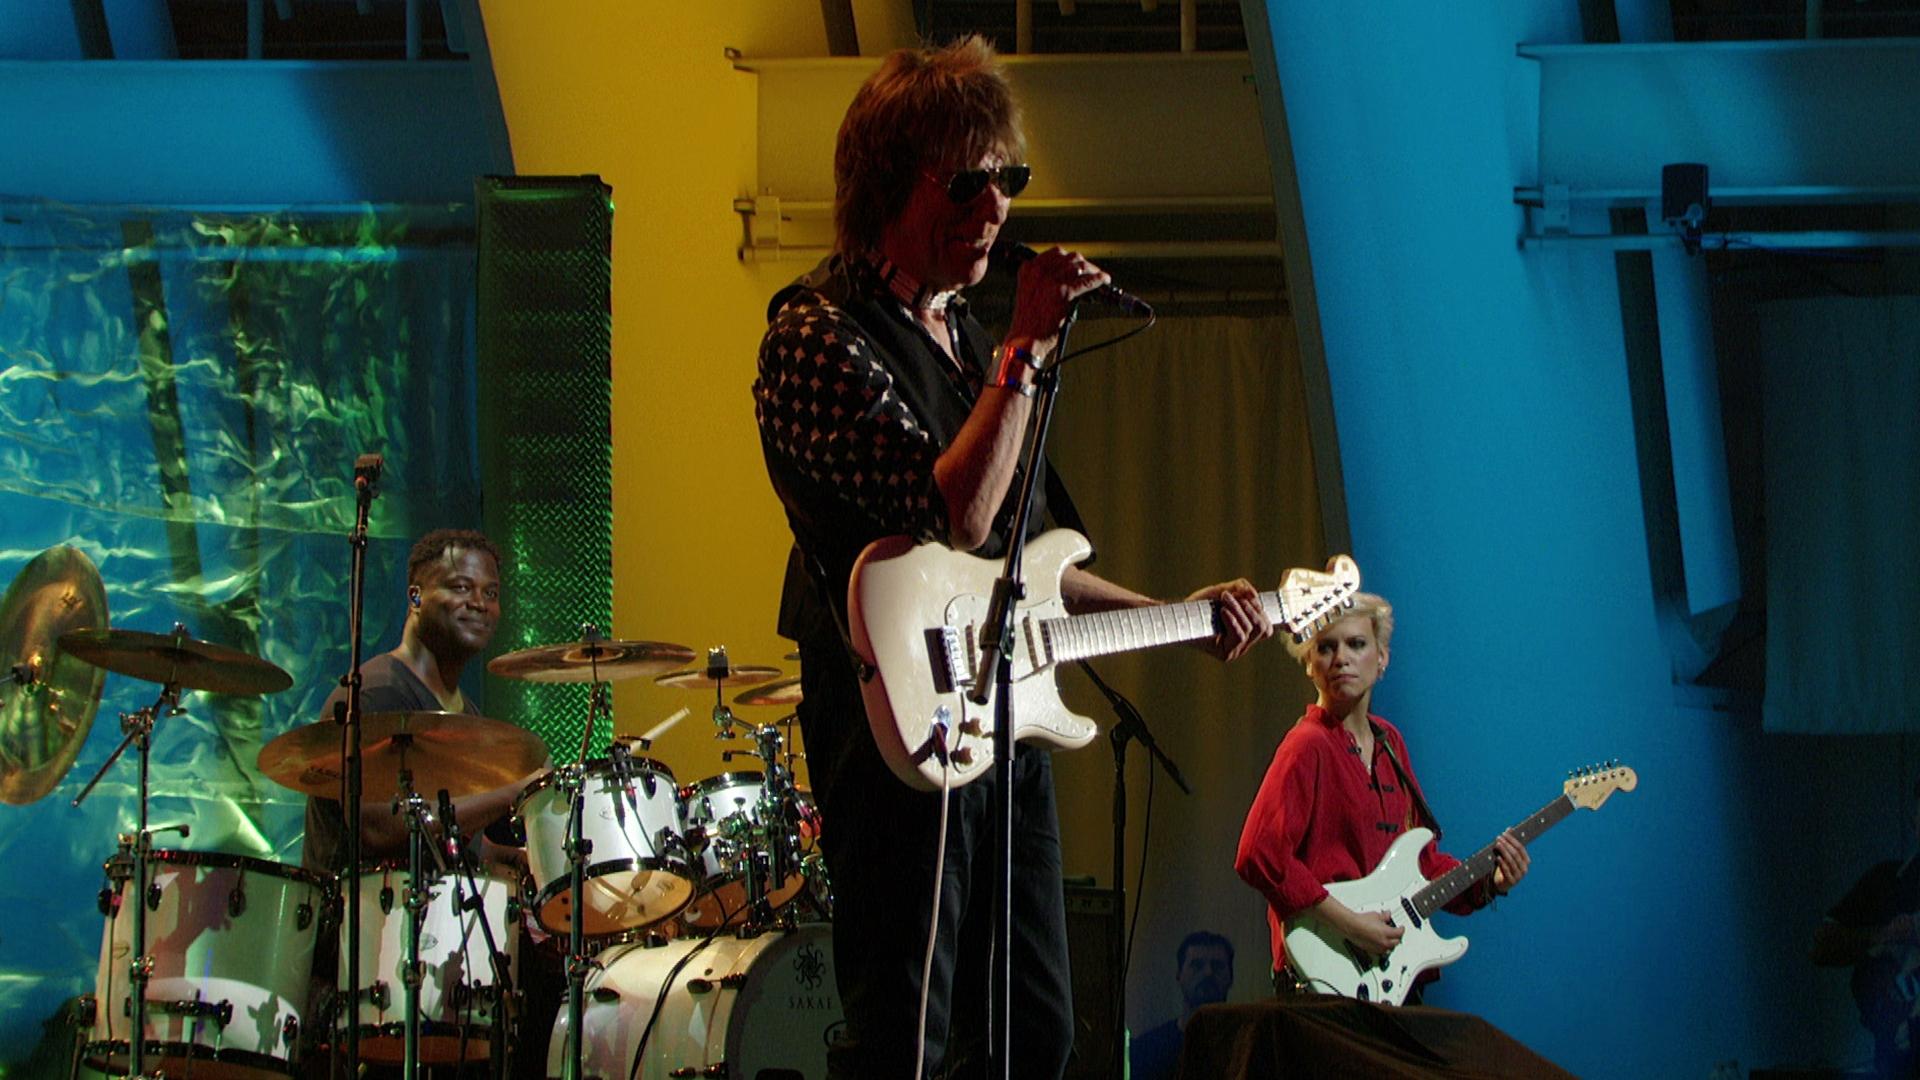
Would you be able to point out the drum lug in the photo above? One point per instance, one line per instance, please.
(605, 994)
(386, 899)
(85, 1007)
(699, 986)
(734, 981)
(153, 898)
(718, 1068)
(303, 916)
(237, 902)
(290, 1031)
(683, 1072)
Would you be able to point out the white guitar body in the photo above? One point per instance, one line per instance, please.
(1333, 965)
(914, 615)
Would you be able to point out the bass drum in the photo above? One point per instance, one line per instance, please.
(232, 944)
(739, 1007)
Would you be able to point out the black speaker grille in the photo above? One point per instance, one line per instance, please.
(545, 337)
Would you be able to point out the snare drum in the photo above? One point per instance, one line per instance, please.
(637, 873)
(460, 993)
(740, 1007)
(231, 939)
(727, 808)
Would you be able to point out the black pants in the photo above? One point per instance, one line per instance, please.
(880, 838)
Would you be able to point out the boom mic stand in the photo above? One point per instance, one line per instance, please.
(1131, 726)
(366, 485)
(468, 897)
(996, 654)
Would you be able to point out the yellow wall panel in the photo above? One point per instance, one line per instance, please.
(643, 94)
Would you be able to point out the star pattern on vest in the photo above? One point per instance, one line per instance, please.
(825, 404)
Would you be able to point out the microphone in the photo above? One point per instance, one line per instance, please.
(1010, 254)
(449, 829)
(366, 471)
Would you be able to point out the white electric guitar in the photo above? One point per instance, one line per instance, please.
(915, 612)
(1329, 963)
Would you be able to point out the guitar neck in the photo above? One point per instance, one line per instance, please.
(1442, 890)
(1102, 633)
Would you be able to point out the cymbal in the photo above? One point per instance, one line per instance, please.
(463, 753)
(48, 703)
(784, 692)
(702, 679)
(177, 659)
(590, 661)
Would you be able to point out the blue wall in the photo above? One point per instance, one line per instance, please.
(1486, 435)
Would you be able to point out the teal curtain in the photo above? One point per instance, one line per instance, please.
(182, 396)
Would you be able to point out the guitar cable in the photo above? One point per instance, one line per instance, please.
(939, 893)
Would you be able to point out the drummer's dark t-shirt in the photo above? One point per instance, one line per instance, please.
(386, 685)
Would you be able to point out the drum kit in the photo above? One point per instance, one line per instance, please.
(206, 959)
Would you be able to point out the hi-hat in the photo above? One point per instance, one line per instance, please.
(606, 660)
(47, 697)
(710, 679)
(784, 692)
(177, 660)
(462, 753)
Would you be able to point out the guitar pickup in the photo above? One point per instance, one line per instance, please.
(946, 658)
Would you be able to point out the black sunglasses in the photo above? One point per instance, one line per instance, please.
(967, 184)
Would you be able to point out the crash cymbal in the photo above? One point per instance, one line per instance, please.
(784, 692)
(177, 660)
(462, 753)
(709, 679)
(590, 661)
(47, 697)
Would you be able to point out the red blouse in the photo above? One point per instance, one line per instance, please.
(1322, 815)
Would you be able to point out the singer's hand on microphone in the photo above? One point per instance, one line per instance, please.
(1049, 284)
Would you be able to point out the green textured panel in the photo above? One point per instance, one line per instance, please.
(545, 340)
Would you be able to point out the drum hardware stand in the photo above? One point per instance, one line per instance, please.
(366, 485)
(81, 1017)
(723, 718)
(138, 728)
(996, 639)
(578, 847)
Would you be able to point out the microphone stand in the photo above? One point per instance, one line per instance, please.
(1132, 726)
(996, 654)
(366, 483)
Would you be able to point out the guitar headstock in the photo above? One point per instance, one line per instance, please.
(1310, 599)
(1591, 786)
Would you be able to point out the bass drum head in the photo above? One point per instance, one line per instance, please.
(749, 1005)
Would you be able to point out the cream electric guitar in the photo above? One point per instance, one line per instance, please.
(915, 611)
(1329, 963)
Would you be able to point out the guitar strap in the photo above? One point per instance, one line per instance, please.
(1421, 809)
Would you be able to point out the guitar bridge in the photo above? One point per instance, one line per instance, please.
(946, 659)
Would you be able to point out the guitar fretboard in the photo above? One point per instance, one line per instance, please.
(1441, 890)
(1102, 633)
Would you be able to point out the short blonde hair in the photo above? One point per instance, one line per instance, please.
(924, 109)
(1373, 606)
